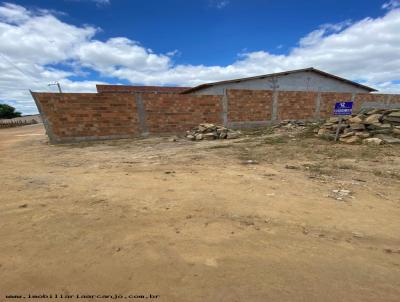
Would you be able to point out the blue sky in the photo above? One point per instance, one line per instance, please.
(83, 42)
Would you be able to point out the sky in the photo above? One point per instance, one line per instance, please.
(80, 43)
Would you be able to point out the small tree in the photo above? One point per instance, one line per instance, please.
(7, 111)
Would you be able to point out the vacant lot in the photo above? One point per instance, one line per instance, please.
(196, 222)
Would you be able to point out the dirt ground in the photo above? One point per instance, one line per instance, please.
(195, 221)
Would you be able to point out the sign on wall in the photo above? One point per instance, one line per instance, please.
(343, 108)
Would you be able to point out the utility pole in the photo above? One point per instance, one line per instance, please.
(58, 85)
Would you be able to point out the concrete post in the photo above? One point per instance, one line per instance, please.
(317, 114)
(224, 114)
(275, 104)
(141, 114)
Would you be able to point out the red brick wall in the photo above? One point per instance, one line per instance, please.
(249, 105)
(180, 112)
(296, 105)
(328, 100)
(72, 116)
(84, 116)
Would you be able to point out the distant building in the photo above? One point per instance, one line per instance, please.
(309, 79)
(129, 88)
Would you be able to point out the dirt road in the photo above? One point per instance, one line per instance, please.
(194, 222)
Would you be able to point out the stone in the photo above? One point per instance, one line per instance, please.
(363, 134)
(322, 132)
(394, 114)
(381, 131)
(222, 130)
(333, 119)
(372, 141)
(232, 135)
(350, 140)
(210, 136)
(392, 119)
(396, 131)
(291, 167)
(191, 137)
(373, 119)
(355, 120)
(348, 134)
(199, 137)
(250, 162)
(223, 135)
(389, 139)
(357, 126)
(377, 126)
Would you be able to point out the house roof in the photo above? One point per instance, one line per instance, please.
(129, 88)
(311, 69)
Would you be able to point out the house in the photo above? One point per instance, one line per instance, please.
(133, 89)
(309, 79)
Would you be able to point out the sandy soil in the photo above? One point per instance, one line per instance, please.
(192, 222)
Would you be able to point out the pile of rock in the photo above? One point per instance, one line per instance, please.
(374, 126)
(210, 132)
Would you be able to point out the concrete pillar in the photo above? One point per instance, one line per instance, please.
(317, 113)
(224, 113)
(141, 114)
(275, 104)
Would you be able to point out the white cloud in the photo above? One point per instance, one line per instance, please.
(98, 3)
(220, 4)
(38, 48)
(391, 4)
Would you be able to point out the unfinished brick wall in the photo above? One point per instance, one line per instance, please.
(296, 105)
(249, 105)
(84, 116)
(328, 100)
(71, 117)
(180, 112)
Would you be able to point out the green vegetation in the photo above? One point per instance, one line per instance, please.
(7, 111)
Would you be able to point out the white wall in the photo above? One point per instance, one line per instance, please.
(300, 81)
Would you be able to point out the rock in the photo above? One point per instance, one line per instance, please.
(210, 136)
(333, 119)
(375, 111)
(250, 162)
(394, 114)
(357, 126)
(356, 120)
(373, 141)
(322, 132)
(173, 139)
(348, 134)
(223, 135)
(363, 134)
(350, 140)
(221, 130)
(232, 135)
(375, 122)
(191, 137)
(389, 139)
(373, 119)
(292, 167)
(392, 119)
(199, 137)
(381, 131)
(378, 126)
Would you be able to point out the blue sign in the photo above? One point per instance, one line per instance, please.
(343, 108)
